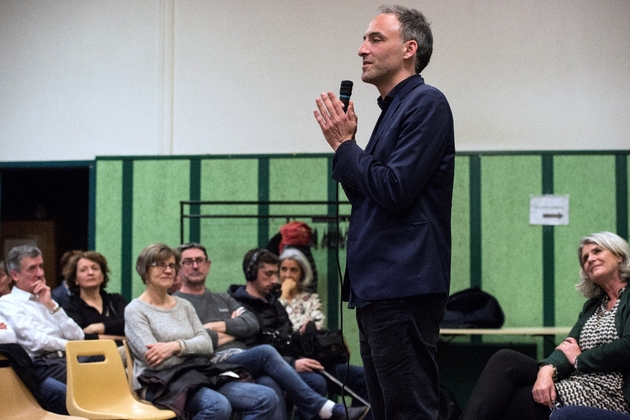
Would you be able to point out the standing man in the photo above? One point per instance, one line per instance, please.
(399, 239)
(42, 328)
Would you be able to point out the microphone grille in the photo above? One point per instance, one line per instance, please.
(346, 88)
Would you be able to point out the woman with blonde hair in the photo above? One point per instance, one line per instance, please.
(590, 368)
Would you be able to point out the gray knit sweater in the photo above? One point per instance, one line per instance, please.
(147, 324)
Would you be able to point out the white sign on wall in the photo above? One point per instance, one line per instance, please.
(549, 210)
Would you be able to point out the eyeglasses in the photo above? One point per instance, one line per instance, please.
(163, 265)
(188, 262)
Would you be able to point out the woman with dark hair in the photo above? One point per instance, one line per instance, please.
(590, 368)
(99, 313)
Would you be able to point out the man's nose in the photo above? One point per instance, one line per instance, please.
(362, 50)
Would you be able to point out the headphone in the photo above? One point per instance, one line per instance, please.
(251, 272)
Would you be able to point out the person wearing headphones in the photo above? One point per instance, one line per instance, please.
(260, 296)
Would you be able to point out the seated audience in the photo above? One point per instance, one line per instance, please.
(590, 368)
(41, 327)
(62, 293)
(227, 323)
(303, 306)
(5, 280)
(100, 314)
(260, 296)
(171, 346)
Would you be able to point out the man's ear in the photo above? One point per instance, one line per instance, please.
(411, 47)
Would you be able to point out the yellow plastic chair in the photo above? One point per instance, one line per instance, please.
(99, 390)
(17, 402)
(129, 372)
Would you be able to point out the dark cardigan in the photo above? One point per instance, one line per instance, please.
(611, 357)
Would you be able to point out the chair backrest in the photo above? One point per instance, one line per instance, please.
(129, 370)
(99, 389)
(16, 401)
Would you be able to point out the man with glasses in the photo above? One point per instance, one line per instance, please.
(230, 326)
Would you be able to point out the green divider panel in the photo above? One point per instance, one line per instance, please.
(590, 183)
(227, 240)
(159, 186)
(512, 254)
(108, 221)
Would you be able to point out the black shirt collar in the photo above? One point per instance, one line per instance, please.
(384, 103)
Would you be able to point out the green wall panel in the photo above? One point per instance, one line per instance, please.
(302, 179)
(137, 203)
(227, 240)
(511, 248)
(108, 220)
(590, 183)
(159, 186)
(460, 226)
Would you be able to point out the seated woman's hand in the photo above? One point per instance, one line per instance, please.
(303, 327)
(3, 326)
(544, 391)
(98, 328)
(570, 348)
(289, 289)
(159, 352)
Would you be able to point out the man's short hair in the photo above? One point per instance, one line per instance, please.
(15, 256)
(414, 26)
(192, 245)
(254, 259)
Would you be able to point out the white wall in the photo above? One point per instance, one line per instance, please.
(80, 79)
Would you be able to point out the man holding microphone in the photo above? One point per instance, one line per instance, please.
(399, 239)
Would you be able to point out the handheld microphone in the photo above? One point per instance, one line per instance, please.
(344, 93)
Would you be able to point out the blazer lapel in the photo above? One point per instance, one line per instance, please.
(376, 136)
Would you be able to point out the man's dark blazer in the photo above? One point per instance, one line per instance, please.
(400, 188)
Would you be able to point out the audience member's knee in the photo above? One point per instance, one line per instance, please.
(269, 399)
(504, 358)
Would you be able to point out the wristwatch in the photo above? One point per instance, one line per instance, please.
(55, 309)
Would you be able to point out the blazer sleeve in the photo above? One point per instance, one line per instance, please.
(420, 142)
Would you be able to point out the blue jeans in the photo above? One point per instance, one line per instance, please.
(206, 403)
(54, 393)
(574, 412)
(264, 360)
(398, 341)
(256, 402)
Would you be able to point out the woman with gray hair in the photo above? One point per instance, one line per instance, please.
(302, 307)
(295, 277)
(590, 368)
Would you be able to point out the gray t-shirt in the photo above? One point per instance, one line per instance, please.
(211, 307)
